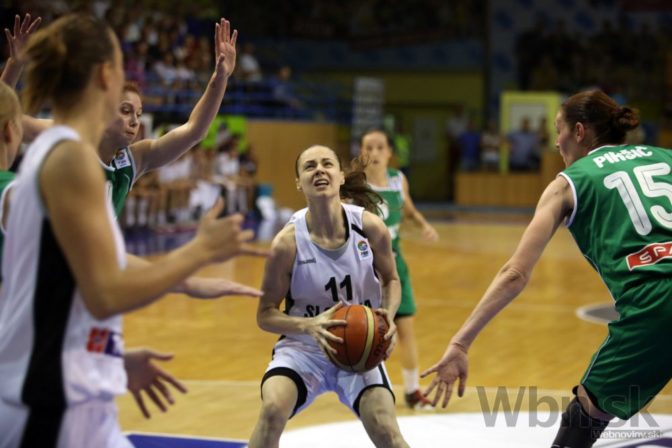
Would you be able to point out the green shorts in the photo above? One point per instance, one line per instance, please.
(407, 307)
(635, 361)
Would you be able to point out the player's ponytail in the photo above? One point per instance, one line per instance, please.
(595, 109)
(61, 58)
(357, 190)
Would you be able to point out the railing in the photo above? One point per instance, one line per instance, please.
(296, 100)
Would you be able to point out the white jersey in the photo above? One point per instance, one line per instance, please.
(321, 278)
(53, 352)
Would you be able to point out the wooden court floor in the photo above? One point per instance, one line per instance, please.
(538, 342)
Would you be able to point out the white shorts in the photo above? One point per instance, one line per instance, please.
(314, 374)
(90, 424)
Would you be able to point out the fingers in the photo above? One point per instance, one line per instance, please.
(164, 390)
(431, 387)
(159, 356)
(334, 323)
(33, 26)
(227, 30)
(8, 35)
(243, 290)
(177, 384)
(246, 249)
(155, 398)
(433, 369)
(141, 404)
(390, 332)
(448, 394)
(216, 210)
(17, 25)
(234, 38)
(332, 337)
(463, 385)
(245, 235)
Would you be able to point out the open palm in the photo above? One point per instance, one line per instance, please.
(22, 31)
(225, 48)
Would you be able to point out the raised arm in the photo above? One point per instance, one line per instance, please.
(554, 206)
(275, 286)
(16, 42)
(71, 181)
(412, 213)
(152, 154)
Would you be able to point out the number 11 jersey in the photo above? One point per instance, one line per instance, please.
(322, 277)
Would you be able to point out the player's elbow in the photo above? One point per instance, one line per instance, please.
(513, 278)
(100, 308)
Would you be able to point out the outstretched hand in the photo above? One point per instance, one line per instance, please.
(22, 31)
(452, 366)
(145, 376)
(225, 48)
(224, 238)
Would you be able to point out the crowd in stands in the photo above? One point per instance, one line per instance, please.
(623, 60)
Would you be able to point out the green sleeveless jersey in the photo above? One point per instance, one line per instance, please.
(120, 174)
(391, 208)
(622, 219)
(6, 178)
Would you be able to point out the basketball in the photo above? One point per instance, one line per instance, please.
(363, 346)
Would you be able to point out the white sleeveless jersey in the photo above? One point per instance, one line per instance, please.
(53, 352)
(321, 278)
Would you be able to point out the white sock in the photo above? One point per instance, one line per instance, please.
(411, 380)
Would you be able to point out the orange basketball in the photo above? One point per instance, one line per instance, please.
(363, 346)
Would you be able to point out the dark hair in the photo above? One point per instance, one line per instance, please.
(388, 137)
(355, 188)
(61, 58)
(596, 110)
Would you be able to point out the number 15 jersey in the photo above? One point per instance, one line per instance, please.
(321, 277)
(622, 218)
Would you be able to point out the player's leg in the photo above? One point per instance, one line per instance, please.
(625, 374)
(377, 412)
(408, 348)
(369, 395)
(285, 390)
(582, 423)
(279, 399)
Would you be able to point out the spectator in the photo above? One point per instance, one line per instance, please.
(523, 147)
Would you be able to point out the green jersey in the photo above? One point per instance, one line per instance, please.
(622, 219)
(121, 175)
(6, 178)
(393, 203)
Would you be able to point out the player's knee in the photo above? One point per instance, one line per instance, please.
(577, 428)
(275, 413)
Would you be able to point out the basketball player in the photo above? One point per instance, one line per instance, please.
(391, 184)
(327, 256)
(145, 378)
(616, 200)
(65, 289)
(124, 159)
(121, 174)
(11, 132)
